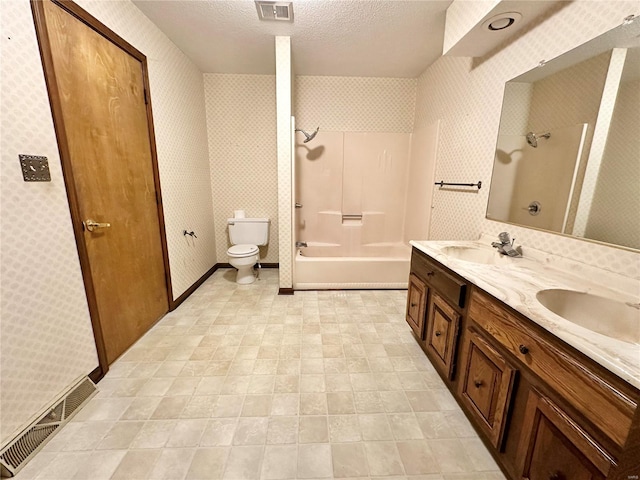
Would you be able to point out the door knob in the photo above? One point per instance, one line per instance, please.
(92, 225)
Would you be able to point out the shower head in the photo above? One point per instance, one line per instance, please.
(532, 138)
(310, 136)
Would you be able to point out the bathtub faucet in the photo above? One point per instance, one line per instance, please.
(301, 244)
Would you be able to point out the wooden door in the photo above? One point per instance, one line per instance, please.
(98, 96)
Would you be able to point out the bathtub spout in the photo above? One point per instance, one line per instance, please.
(301, 244)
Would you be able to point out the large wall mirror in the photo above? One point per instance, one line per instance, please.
(568, 151)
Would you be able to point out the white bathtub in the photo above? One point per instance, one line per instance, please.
(375, 266)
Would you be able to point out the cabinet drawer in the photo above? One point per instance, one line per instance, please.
(553, 446)
(486, 385)
(450, 287)
(579, 385)
(416, 302)
(442, 334)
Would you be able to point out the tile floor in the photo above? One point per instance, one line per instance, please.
(240, 383)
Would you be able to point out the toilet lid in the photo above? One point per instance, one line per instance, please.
(242, 250)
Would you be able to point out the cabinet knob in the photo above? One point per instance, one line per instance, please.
(557, 476)
(478, 383)
(523, 349)
(414, 304)
(430, 274)
(438, 333)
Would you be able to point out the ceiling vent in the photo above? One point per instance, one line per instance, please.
(281, 11)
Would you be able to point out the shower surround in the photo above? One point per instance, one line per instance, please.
(353, 191)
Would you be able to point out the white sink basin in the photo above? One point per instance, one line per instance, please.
(484, 255)
(615, 319)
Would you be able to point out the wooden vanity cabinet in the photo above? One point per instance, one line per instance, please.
(485, 386)
(416, 304)
(544, 410)
(553, 446)
(436, 298)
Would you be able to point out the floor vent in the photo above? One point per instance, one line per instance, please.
(280, 11)
(21, 449)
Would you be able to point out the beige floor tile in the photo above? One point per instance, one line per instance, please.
(256, 406)
(120, 436)
(280, 462)
(99, 465)
(314, 461)
(375, 427)
(417, 457)
(172, 464)
(141, 408)
(285, 404)
(313, 429)
(344, 428)
(450, 455)
(395, 402)
(170, 407)
(251, 431)
(228, 406)
(219, 432)
(282, 430)
(383, 459)
(368, 402)
(313, 404)
(154, 434)
(238, 371)
(435, 425)
(480, 458)
(208, 463)
(244, 463)
(349, 460)
(340, 382)
(187, 433)
(135, 464)
(340, 403)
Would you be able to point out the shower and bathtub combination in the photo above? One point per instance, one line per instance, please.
(352, 196)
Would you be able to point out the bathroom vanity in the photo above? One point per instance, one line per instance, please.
(551, 399)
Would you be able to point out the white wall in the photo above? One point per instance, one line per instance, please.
(46, 337)
(466, 95)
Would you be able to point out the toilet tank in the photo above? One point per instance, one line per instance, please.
(253, 231)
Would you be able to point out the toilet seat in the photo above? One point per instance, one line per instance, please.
(239, 251)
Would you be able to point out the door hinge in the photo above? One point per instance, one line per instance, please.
(146, 98)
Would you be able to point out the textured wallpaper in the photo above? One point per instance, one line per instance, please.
(466, 94)
(241, 127)
(355, 104)
(46, 341)
(46, 334)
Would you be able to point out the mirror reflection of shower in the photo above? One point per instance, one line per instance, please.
(532, 138)
(309, 136)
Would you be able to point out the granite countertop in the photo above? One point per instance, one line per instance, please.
(515, 281)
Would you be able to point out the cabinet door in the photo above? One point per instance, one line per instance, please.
(416, 304)
(553, 446)
(486, 385)
(442, 334)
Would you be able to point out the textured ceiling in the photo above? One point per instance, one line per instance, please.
(367, 38)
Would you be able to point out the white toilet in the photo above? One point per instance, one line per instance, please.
(245, 235)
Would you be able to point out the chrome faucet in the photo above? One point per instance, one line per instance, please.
(505, 246)
(301, 244)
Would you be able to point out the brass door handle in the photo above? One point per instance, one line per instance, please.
(92, 225)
